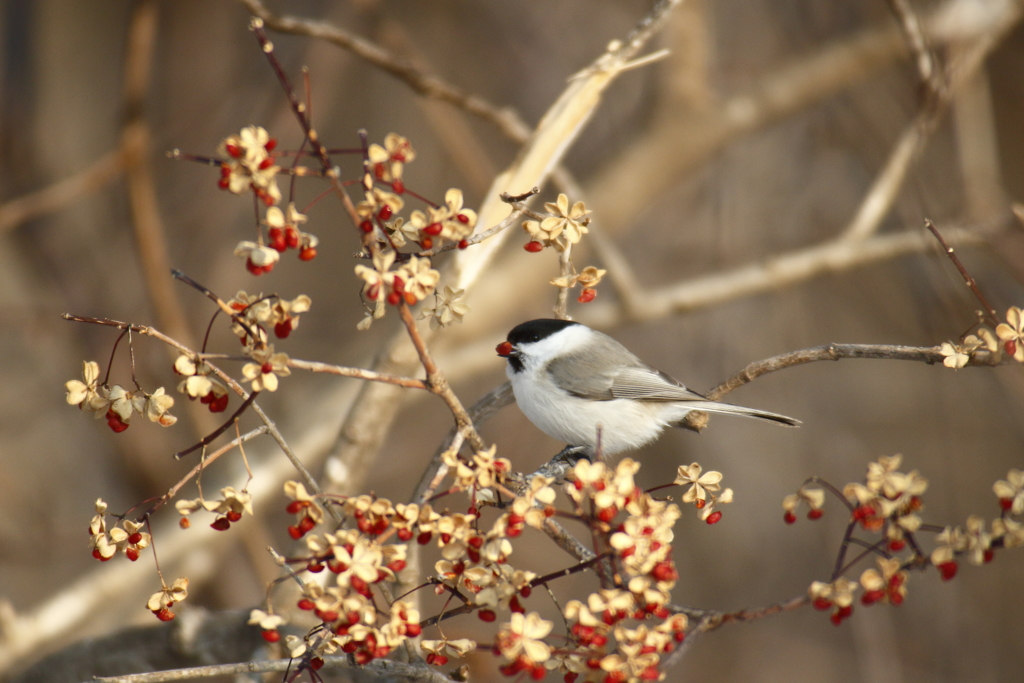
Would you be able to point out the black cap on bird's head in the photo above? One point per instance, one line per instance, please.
(535, 330)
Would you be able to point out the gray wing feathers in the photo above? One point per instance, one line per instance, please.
(645, 384)
(580, 375)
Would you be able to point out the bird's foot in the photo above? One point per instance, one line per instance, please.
(565, 460)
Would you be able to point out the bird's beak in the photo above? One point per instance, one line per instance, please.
(504, 349)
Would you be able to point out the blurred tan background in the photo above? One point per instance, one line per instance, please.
(722, 155)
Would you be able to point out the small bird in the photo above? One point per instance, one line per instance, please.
(572, 382)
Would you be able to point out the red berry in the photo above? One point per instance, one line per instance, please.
(271, 636)
(219, 404)
(533, 247)
(315, 567)
(283, 329)
(1011, 347)
(184, 523)
(234, 516)
(225, 170)
(989, 554)
(815, 513)
(276, 240)
(436, 660)
(115, 423)
(132, 554)
(221, 524)
(271, 144)
(947, 570)
(404, 534)
(413, 630)
(871, 597)
(664, 571)
(897, 545)
(1006, 503)
(394, 298)
(424, 538)
(295, 533)
(433, 229)
(266, 163)
(307, 254)
(135, 538)
(789, 517)
(463, 244)
(398, 186)
(427, 243)
(587, 295)
(306, 524)
(266, 368)
(385, 212)
(487, 615)
(538, 672)
(223, 183)
(462, 218)
(822, 604)
(366, 226)
(164, 614)
(291, 237)
(316, 663)
(233, 150)
(714, 517)
(253, 268)
(306, 604)
(296, 506)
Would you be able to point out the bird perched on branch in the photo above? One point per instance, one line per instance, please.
(575, 383)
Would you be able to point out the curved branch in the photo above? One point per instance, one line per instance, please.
(921, 354)
(382, 667)
(504, 119)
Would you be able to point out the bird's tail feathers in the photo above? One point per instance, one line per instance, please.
(730, 409)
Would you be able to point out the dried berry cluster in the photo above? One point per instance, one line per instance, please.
(888, 504)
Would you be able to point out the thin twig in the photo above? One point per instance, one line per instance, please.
(990, 311)
(504, 119)
(358, 373)
(926, 63)
(304, 473)
(481, 411)
(437, 384)
(209, 460)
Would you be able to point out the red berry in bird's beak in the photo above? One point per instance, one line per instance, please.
(504, 349)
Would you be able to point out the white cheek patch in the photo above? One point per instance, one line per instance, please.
(564, 341)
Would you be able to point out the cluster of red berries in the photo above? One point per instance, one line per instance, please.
(224, 523)
(812, 514)
(838, 614)
(305, 524)
(523, 664)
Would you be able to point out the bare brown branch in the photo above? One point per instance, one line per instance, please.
(504, 119)
(63, 193)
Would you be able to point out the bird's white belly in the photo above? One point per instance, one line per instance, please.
(623, 424)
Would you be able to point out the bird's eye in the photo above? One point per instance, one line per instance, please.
(535, 337)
